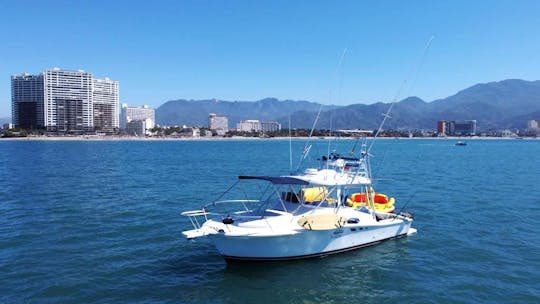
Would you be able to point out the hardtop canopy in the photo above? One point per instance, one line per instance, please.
(280, 180)
(324, 177)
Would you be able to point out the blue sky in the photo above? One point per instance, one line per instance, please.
(249, 50)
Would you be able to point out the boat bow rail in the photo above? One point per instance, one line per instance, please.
(203, 214)
(194, 216)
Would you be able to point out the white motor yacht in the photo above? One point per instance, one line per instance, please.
(302, 215)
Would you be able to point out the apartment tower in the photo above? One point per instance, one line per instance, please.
(27, 101)
(64, 101)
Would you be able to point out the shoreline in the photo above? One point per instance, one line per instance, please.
(136, 138)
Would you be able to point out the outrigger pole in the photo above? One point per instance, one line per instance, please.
(307, 147)
(290, 145)
(401, 87)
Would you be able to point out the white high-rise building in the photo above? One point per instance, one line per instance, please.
(105, 94)
(218, 123)
(65, 101)
(270, 126)
(130, 114)
(250, 125)
(68, 100)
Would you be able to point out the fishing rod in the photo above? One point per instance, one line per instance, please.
(307, 146)
(387, 114)
(339, 75)
(290, 146)
(400, 90)
(402, 208)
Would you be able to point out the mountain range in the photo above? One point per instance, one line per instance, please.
(195, 112)
(494, 105)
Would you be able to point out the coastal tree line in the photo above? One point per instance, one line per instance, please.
(178, 131)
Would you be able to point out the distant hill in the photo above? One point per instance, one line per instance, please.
(495, 105)
(504, 104)
(405, 114)
(195, 112)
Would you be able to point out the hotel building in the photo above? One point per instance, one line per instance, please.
(218, 123)
(250, 125)
(457, 127)
(130, 118)
(270, 126)
(257, 126)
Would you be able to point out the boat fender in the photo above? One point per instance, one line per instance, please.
(228, 220)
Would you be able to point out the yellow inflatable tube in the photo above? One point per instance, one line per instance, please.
(314, 194)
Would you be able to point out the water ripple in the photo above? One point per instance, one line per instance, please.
(87, 222)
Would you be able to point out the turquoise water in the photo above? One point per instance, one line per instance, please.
(99, 221)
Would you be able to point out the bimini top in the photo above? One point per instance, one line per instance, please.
(323, 177)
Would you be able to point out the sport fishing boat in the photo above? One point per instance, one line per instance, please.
(316, 211)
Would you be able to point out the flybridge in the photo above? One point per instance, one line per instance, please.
(313, 176)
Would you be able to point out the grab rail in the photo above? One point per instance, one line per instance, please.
(232, 201)
(194, 214)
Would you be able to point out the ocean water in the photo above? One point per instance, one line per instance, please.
(99, 222)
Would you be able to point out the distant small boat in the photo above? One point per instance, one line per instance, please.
(461, 143)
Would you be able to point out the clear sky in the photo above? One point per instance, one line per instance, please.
(249, 50)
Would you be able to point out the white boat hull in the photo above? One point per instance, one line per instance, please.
(307, 243)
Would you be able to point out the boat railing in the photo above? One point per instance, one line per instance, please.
(195, 216)
(235, 201)
(232, 201)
